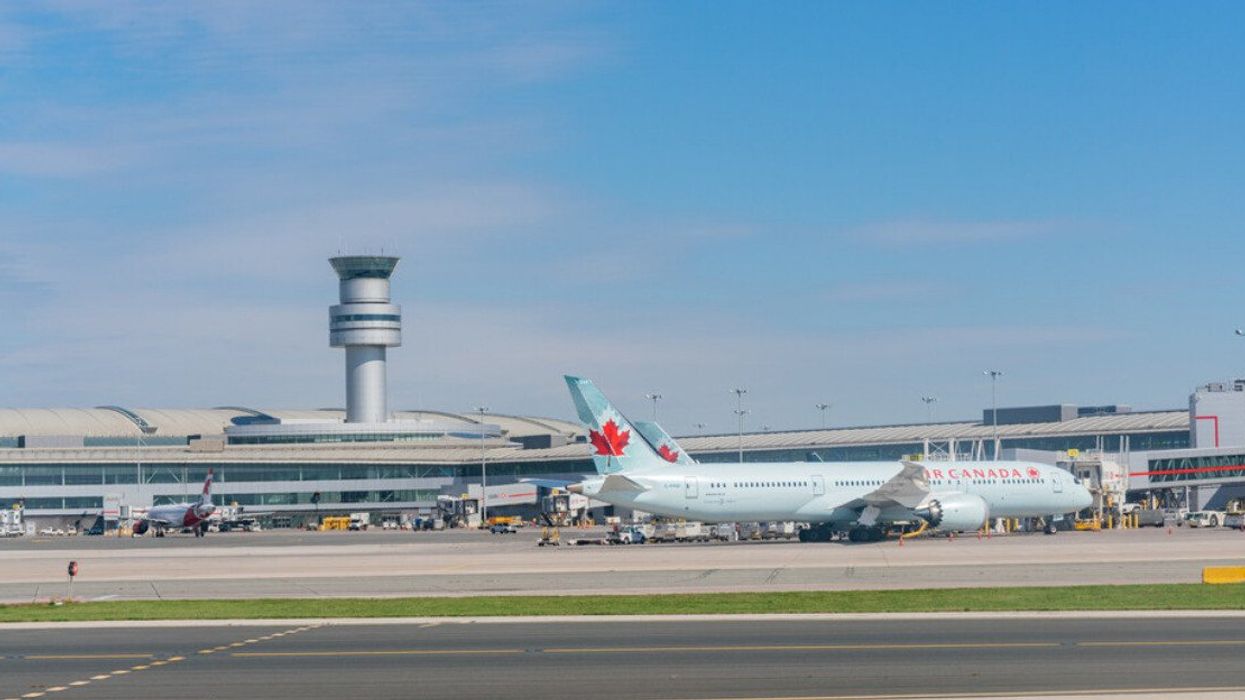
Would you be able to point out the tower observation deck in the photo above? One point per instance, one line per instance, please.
(365, 323)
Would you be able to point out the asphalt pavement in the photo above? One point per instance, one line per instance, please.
(301, 564)
(606, 660)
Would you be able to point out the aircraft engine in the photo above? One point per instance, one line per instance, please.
(141, 527)
(954, 512)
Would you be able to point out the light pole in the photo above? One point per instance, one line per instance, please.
(739, 416)
(654, 397)
(823, 407)
(929, 407)
(994, 375)
(483, 469)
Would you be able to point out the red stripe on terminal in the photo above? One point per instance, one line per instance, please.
(1216, 420)
(1191, 470)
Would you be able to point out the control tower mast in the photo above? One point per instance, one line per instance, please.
(365, 323)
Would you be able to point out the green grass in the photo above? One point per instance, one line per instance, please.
(1128, 597)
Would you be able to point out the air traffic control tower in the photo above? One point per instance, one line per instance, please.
(365, 323)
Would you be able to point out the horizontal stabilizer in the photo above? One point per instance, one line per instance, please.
(618, 482)
(548, 483)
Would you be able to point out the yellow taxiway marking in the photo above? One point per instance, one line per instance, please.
(121, 672)
(206, 651)
(1001, 694)
(803, 647)
(78, 683)
(141, 667)
(379, 652)
(158, 663)
(1172, 643)
(75, 657)
(33, 695)
(101, 677)
(175, 658)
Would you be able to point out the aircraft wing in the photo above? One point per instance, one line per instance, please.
(908, 488)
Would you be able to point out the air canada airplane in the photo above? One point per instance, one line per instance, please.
(863, 498)
(179, 515)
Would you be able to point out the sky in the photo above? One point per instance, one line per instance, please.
(849, 203)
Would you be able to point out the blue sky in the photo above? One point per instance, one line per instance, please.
(857, 203)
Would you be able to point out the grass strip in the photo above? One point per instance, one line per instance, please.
(1124, 597)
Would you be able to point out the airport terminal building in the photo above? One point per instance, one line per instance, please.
(76, 462)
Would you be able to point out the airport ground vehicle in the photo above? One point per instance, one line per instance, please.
(11, 523)
(503, 529)
(1236, 521)
(681, 532)
(1151, 517)
(1204, 518)
(360, 521)
(627, 535)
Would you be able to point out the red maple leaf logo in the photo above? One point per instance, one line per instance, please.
(668, 454)
(610, 441)
(1034, 473)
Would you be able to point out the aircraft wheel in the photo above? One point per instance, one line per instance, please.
(804, 536)
(1050, 528)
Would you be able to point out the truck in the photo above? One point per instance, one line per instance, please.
(1204, 518)
(360, 521)
(11, 523)
(627, 535)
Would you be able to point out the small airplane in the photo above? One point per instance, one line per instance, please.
(864, 498)
(179, 515)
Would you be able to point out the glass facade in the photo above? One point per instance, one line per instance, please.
(317, 438)
(165, 473)
(303, 498)
(1185, 469)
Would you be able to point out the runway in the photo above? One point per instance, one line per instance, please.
(292, 564)
(605, 660)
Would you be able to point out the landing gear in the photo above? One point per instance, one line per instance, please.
(1050, 528)
(865, 534)
(817, 533)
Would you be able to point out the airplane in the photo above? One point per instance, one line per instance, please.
(179, 515)
(864, 498)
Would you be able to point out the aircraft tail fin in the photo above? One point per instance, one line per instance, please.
(612, 436)
(206, 497)
(662, 443)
